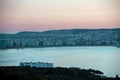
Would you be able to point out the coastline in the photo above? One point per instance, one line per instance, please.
(57, 46)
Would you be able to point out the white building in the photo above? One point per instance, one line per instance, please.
(36, 64)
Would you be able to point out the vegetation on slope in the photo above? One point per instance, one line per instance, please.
(28, 73)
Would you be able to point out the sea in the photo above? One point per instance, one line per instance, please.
(103, 58)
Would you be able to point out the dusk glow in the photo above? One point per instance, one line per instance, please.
(40, 15)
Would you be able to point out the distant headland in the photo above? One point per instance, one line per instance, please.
(58, 38)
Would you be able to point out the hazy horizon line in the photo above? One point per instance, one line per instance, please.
(56, 30)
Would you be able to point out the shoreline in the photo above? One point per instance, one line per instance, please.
(57, 46)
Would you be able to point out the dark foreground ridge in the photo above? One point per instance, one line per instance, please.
(32, 73)
(57, 38)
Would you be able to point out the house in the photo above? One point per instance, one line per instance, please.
(36, 64)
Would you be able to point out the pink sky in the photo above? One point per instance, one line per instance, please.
(40, 15)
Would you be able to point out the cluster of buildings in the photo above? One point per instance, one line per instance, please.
(96, 38)
(36, 64)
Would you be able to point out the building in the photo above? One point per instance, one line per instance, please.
(36, 64)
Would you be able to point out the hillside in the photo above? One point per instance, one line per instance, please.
(58, 73)
(70, 37)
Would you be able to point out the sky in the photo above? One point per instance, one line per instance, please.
(41, 15)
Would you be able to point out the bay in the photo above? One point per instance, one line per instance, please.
(105, 59)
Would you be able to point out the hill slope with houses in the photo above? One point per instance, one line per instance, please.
(66, 37)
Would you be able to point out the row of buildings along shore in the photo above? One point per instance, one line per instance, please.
(81, 38)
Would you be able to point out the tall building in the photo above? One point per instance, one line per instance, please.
(36, 64)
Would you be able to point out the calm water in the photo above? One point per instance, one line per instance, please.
(105, 59)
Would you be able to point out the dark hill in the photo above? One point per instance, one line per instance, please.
(28, 73)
